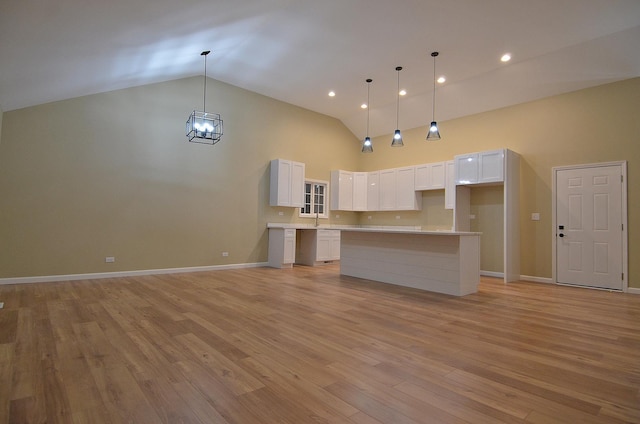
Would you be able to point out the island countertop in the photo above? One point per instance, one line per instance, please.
(372, 229)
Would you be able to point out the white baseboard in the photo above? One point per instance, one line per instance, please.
(522, 277)
(492, 274)
(92, 276)
(633, 290)
(536, 279)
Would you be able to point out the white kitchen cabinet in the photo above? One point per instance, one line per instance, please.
(328, 246)
(282, 247)
(387, 190)
(480, 168)
(397, 190)
(492, 167)
(373, 191)
(359, 191)
(430, 176)
(341, 190)
(450, 185)
(318, 246)
(287, 183)
(406, 196)
(348, 190)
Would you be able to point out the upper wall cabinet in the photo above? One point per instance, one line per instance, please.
(341, 190)
(359, 191)
(349, 191)
(397, 190)
(430, 176)
(373, 191)
(287, 183)
(480, 167)
(386, 190)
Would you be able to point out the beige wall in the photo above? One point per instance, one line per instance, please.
(113, 175)
(90, 180)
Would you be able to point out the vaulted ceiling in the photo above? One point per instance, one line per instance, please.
(298, 50)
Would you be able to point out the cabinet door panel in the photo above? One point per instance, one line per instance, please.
(422, 181)
(466, 169)
(491, 166)
(323, 252)
(405, 189)
(297, 184)
(359, 191)
(289, 249)
(373, 191)
(388, 190)
(436, 175)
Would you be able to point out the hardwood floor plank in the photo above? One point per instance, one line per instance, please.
(225, 370)
(306, 345)
(316, 398)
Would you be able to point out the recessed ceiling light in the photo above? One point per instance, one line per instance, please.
(441, 80)
(363, 106)
(403, 92)
(506, 57)
(332, 93)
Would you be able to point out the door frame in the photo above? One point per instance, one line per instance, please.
(625, 226)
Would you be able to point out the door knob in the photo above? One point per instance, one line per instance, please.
(561, 235)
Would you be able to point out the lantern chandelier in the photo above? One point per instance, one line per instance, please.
(204, 127)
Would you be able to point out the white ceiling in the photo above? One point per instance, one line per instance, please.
(297, 50)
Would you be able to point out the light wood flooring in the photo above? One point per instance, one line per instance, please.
(309, 346)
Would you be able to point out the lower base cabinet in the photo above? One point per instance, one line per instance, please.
(282, 247)
(318, 247)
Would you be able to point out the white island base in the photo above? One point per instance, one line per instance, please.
(442, 262)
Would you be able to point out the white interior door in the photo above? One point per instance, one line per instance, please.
(589, 231)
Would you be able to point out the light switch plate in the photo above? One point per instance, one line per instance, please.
(535, 216)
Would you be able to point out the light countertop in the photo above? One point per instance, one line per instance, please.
(372, 228)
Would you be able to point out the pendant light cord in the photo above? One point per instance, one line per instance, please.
(368, 104)
(204, 97)
(434, 89)
(434, 54)
(398, 100)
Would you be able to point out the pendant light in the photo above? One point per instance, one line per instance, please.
(433, 133)
(367, 147)
(204, 127)
(397, 136)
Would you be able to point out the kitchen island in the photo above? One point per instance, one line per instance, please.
(440, 261)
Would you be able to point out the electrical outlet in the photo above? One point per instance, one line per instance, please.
(535, 216)
(110, 259)
(280, 213)
(397, 216)
(225, 254)
(337, 216)
(472, 216)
